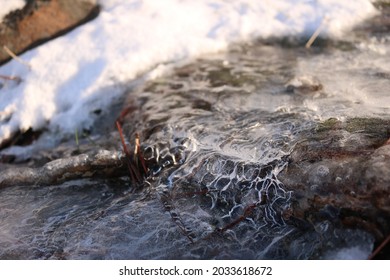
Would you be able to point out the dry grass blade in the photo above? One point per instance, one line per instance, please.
(10, 78)
(316, 33)
(137, 173)
(125, 150)
(14, 56)
(380, 248)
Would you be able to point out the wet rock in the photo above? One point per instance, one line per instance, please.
(21, 138)
(42, 20)
(219, 186)
(343, 166)
(304, 84)
(226, 77)
(379, 25)
(101, 164)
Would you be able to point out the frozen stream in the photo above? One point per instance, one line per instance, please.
(220, 131)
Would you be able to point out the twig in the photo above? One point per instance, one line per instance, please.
(10, 78)
(380, 247)
(14, 56)
(137, 175)
(247, 212)
(118, 125)
(76, 135)
(316, 33)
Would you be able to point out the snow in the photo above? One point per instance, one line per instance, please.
(9, 6)
(352, 253)
(90, 67)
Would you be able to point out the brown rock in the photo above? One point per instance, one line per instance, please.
(344, 166)
(40, 21)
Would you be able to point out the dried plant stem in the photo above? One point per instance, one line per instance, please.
(10, 78)
(380, 248)
(76, 135)
(247, 212)
(14, 56)
(137, 174)
(138, 153)
(315, 34)
(125, 150)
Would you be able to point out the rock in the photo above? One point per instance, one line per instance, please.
(341, 171)
(304, 84)
(40, 21)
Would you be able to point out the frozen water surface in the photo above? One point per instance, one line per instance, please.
(219, 128)
(83, 72)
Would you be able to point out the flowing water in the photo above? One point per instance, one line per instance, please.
(219, 130)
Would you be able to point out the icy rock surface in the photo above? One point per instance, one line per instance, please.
(241, 166)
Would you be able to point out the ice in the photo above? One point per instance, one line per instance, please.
(352, 253)
(88, 69)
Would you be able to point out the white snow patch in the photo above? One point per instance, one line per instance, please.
(352, 253)
(86, 69)
(7, 6)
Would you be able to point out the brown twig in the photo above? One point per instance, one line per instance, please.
(124, 113)
(10, 78)
(380, 247)
(316, 33)
(14, 56)
(125, 150)
(136, 173)
(247, 212)
(170, 208)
